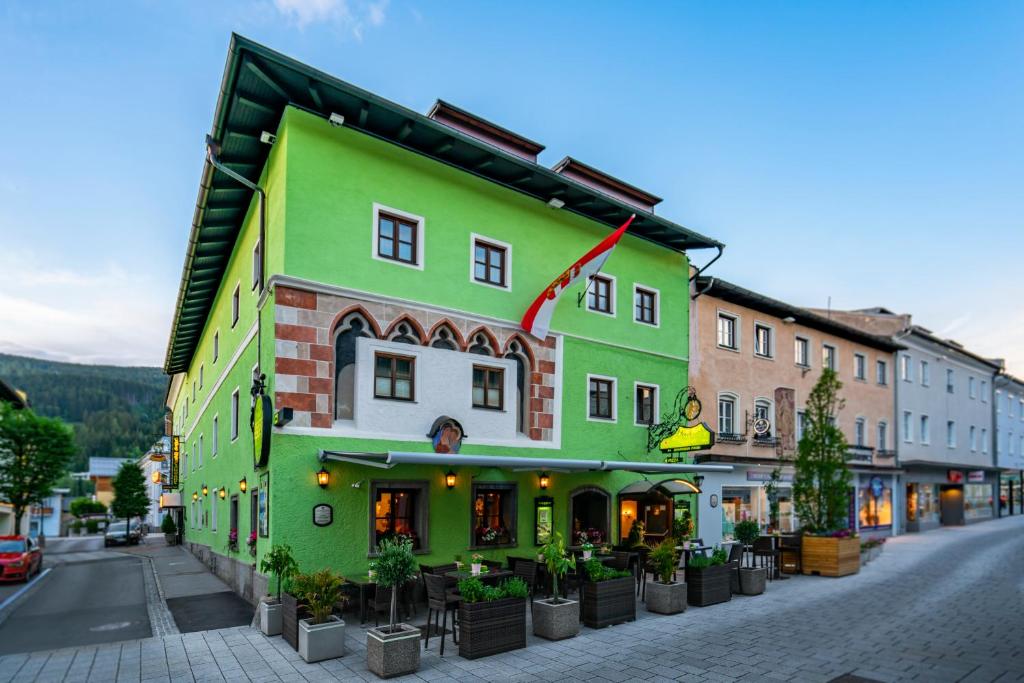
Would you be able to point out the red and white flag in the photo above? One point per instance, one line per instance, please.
(538, 316)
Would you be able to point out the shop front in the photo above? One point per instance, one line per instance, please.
(944, 496)
(1011, 493)
(875, 495)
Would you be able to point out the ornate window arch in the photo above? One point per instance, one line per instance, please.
(444, 335)
(352, 326)
(405, 330)
(482, 342)
(518, 351)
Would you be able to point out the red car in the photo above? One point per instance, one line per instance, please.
(20, 558)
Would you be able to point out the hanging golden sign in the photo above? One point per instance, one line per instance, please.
(695, 438)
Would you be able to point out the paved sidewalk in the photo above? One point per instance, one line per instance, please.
(941, 606)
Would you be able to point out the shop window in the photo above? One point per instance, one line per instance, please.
(399, 510)
(493, 515)
(351, 328)
(875, 504)
(488, 388)
(393, 377)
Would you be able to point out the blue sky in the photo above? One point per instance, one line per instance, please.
(868, 151)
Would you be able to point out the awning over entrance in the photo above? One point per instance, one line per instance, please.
(672, 487)
(392, 458)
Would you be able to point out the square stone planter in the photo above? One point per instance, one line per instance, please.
(395, 653)
(708, 586)
(318, 642)
(270, 616)
(830, 556)
(666, 598)
(753, 580)
(556, 621)
(610, 602)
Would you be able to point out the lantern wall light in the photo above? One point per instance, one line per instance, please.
(223, 493)
(242, 485)
(323, 477)
(449, 480)
(544, 480)
(205, 490)
(195, 496)
(698, 480)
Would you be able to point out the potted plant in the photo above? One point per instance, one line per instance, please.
(477, 562)
(707, 579)
(280, 564)
(252, 544)
(491, 619)
(749, 580)
(170, 530)
(393, 650)
(556, 618)
(233, 540)
(588, 550)
(371, 570)
(664, 595)
(608, 595)
(322, 635)
(821, 486)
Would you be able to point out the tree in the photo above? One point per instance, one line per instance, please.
(821, 485)
(87, 506)
(395, 566)
(130, 497)
(34, 454)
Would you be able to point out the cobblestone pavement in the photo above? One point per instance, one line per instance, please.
(943, 606)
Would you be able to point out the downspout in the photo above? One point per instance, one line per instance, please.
(720, 248)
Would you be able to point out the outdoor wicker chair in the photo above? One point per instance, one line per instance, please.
(527, 571)
(765, 551)
(440, 601)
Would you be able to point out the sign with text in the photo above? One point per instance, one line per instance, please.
(758, 475)
(954, 476)
(695, 438)
(175, 464)
(976, 476)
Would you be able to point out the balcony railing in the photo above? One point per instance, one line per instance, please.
(766, 441)
(884, 456)
(860, 453)
(729, 437)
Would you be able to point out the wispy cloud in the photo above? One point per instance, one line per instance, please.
(346, 15)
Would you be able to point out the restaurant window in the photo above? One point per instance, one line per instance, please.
(602, 398)
(489, 263)
(763, 341)
(860, 364)
(646, 400)
(393, 377)
(494, 515)
(881, 372)
(397, 238)
(234, 306)
(727, 332)
(645, 306)
(802, 352)
(602, 295)
(727, 415)
(488, 388)
(399, 510)
(828, 356)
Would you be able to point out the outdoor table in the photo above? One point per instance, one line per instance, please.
(493, 575)
(363, 582)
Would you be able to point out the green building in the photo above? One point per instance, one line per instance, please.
(376, 278)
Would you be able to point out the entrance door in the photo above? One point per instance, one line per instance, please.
(951, 505)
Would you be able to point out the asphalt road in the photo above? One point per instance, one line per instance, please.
(80, 604)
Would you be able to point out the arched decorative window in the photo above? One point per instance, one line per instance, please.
(444, 337)
(348, 331)
(479, 344)
(517, 353)
(404, 334)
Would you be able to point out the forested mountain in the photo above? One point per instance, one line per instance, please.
(116, 411)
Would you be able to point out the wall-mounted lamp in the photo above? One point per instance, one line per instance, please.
(156, 476)
(544, 480)
(242, 485)
(205, 490)
(223, 493)
(698, 480)
(449, 480)
(323, 478)
(195, 496)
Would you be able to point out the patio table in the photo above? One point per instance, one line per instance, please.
(493, 575)
(363, 581)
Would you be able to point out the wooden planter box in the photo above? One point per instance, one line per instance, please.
(609, 602)
(291, 613)
(827, 556)
(487, 628)
(709, 586)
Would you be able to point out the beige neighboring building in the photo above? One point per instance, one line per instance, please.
(753, 363)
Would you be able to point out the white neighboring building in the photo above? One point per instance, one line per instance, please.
(1009, 442)
(156, 460)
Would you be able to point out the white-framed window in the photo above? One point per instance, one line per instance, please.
(828, 357)
(215, 436)
(802, 352)
(984, 391)
(926, 431)
(202, 372)
(926, 374)
(192, 514)
(193, 456)
(727, 413)
(728, 331)
(999, 401)
(257, 264)
(216, 345)
(398, 237)
(764, 340)
(235, 305)
(883, 436)
(490, 262)
(860, 366)
(213, 510)
(950, 386)
(200, 451)
(645, 408)
(646, 305)
(234, 414)
(984, 440)
(859, 427)
(881, 372)
(801, 424)
(763, 411)
(908, 427)
(905, 372)
(971, 389)
(973, 437)
(950, 434)
(601, 294)
(194, 392)
(601, 398)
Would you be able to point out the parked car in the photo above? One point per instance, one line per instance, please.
(118, 533)
(20, 558)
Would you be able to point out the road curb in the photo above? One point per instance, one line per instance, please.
(9, 605)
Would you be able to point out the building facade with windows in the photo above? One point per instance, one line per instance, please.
(376, 279)
(945, 423)
(753, 362)
(1008, 405)
(156, 467)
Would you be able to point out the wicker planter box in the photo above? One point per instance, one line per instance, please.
(291, 613)
(708, 586)
(753, 580)
(828, 556)
(393, 654)
(487, 628)
(556, 621)
(609, 602)
(665, 598)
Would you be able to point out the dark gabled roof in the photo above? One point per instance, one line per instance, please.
(718, 288)
(446, 112)
(259, 83)
(951, 345)
(599, 179)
